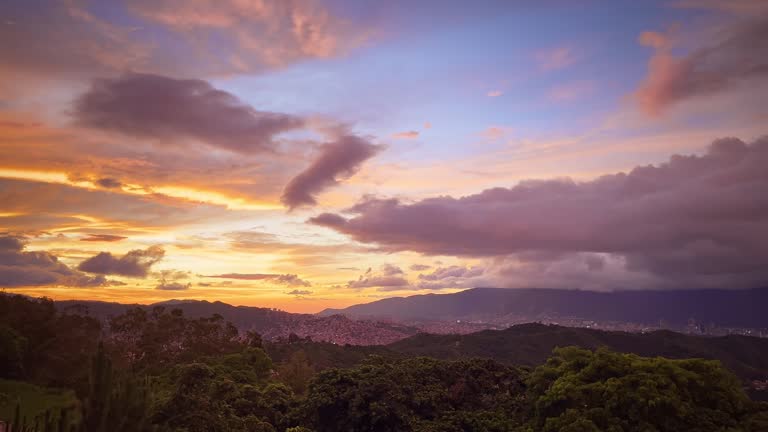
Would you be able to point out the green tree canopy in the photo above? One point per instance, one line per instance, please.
(581, 390)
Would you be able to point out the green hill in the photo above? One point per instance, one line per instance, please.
(531, 344)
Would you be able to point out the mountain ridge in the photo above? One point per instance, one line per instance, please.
(272, 324)
(739, 308)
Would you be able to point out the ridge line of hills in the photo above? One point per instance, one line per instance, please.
(271, 323)
(526, 344)
(735, 308)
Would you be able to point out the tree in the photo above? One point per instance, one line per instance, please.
(115, 402)
(581, 390)
(154, 341)
(297, 372)
(13, 348)
(418, 394)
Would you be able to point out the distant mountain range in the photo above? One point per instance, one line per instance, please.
(737, 308)
(270, 323)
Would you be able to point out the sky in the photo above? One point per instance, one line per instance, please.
(306, 154)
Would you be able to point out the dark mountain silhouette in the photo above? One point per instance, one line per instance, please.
(737, 308)
(270, 323)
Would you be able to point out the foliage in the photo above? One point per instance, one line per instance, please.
(297, 372)
(531, 344)
(54, 347)
(325, 355)
(13, 348)
(581, 390)
(115, 402)
(416, 395)
(228, 393)
(161, 371)
(32, 401)
(152, 342)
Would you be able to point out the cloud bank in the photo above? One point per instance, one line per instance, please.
(692, 219)
(172, 110)
(20, 268)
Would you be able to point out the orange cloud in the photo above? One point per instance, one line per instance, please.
(494, 93)
(406, 135)
(249, 34)
(103, 238)
(724, 61)
(495, 132)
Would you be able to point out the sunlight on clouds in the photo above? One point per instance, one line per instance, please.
(214, 198)
(180, 192)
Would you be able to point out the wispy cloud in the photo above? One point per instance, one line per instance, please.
(282, 279)
(406, 135)
(557, 58)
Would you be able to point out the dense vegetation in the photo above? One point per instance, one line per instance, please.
(161, 371)
(531, 344)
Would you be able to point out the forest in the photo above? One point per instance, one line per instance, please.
(159, 370)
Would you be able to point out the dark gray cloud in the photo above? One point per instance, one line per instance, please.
(692, 220)
(282, 279)
(391, 270)
(20, 268)
(299, 293)
(420, 267)
(451, 277)
(135, 263)
(172, 110)
(108, 182)
(172, 286)
(336, 160)
(443, 273)
(388, 278)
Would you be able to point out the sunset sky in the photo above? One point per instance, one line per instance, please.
(304, 154)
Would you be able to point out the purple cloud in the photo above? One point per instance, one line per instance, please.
(20, 268)
(135, 263)
(690, 218)
(389, 278)
(338, 159)
(169, 110)
(172, 286)
(721, 63)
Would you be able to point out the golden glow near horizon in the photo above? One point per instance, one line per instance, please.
(295, 174)
(179, 192)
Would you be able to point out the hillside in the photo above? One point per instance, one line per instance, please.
(270, 323)
(531, 344)
(737, 308)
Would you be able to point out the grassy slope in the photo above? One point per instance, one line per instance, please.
(33, 400)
